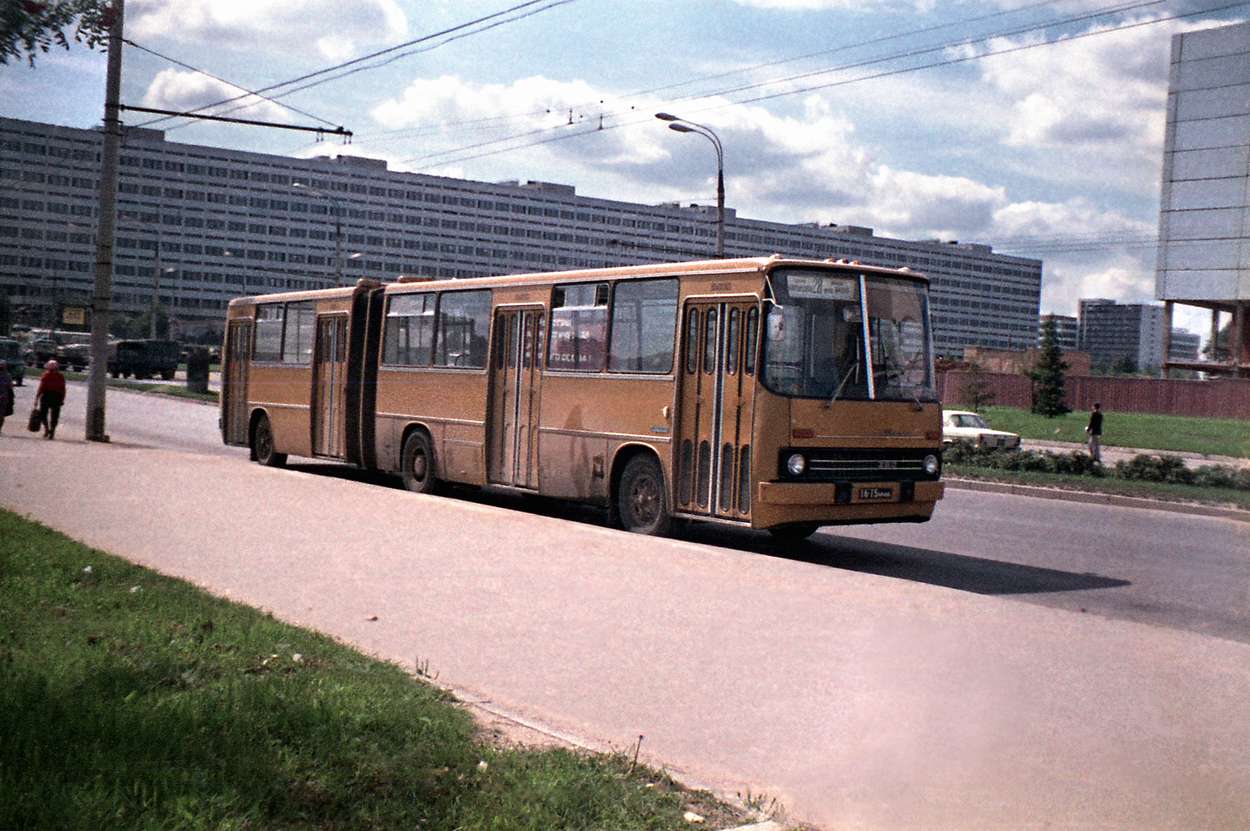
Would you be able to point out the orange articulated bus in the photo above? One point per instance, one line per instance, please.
(769, 393)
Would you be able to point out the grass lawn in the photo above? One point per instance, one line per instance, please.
(134, 701)
(1123, 487)
(1219, 436)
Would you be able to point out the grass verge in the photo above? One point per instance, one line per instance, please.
(1223, 497)
(1216, 436)
(172, 390)
(133, 701)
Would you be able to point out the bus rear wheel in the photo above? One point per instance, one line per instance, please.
(263, 447)
(797, 532)
(641, 501)
(418, 464)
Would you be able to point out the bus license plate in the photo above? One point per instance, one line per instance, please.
(874, 495)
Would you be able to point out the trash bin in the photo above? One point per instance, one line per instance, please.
(197, 369)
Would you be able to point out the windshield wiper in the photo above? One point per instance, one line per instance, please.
(845, 378)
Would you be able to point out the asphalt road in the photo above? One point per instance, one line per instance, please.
(929, 676)
(1165, 569)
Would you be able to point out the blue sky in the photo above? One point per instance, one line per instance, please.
(1037, 151)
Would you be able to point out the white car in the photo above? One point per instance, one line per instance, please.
(965, 425)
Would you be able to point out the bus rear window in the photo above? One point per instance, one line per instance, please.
(268, 343)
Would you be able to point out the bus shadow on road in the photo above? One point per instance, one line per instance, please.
(920, 565)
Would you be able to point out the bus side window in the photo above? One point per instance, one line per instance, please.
(731, 353)
(709, 345)
(749, 341)
(692, 341)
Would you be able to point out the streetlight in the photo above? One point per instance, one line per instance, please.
(338, 227)
(681, 125)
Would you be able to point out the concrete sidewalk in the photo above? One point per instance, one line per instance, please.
(1112, 454)
(859, 701)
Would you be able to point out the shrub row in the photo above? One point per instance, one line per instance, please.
(1145, 467)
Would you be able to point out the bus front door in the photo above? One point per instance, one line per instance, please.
(237, 353)
(515, 392)
(330, 387)
(716, 407)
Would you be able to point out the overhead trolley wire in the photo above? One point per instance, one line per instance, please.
(250, 92)
(480, 122)
(519, 7)
(899, 71)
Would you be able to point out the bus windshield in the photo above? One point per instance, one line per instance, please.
(818, 344)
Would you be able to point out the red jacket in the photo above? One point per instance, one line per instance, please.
(51, 381)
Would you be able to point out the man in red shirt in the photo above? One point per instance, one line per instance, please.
(49, 397)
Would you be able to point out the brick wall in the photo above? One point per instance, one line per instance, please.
(1226, 398)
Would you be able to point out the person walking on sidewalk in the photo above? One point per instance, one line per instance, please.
(6, 394)
(49, 398)
(1094, 431)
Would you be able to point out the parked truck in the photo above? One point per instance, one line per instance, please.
(143, 358)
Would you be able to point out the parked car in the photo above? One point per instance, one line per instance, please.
(41, 351)
(965, 425)
(11, 354)
(75, 354)
(143, 358)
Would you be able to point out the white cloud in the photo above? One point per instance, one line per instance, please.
(806, 166)
(270, 23)
(173, 89)
(832, 5)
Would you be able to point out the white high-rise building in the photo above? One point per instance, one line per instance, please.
(1204, 215)
(206, 224)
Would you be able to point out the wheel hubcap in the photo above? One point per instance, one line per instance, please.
(418, 467)
(645, 499)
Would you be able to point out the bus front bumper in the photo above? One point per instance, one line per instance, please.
(859, 493)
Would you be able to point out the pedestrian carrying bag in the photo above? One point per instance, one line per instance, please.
(34, 422)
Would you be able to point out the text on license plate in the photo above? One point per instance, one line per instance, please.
(874, 494)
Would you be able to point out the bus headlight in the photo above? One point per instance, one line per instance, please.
(796, 464)
(931, 464)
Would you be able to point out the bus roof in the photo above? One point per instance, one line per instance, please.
(690, 268)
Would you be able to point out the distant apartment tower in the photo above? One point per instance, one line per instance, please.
(1204, 213)
(1121, 334)
(1185, 346)
(1066, 328)
(199, 225)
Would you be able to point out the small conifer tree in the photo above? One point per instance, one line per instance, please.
(977, 392)
(1047, 376)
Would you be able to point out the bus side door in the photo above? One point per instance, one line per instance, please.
(329, 404)
(515, 391)
(237, 356)
(716, 408)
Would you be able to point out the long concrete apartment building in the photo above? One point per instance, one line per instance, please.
(206, 224)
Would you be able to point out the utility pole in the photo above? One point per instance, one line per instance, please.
(156, 291)
(102, 295)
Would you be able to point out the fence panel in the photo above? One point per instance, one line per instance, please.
(1224, 398)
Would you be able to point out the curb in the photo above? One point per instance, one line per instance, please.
(1094, 498)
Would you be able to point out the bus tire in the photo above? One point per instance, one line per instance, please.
(642, 503)
(417, 464)
(794, 533)
(263, 446)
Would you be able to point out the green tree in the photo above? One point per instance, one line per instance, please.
(1124, 365)
(1047, 376)
(976, 391)
(31, 26)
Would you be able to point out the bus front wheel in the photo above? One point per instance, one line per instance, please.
(263, 447)
(418, 464)
(641, 501)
